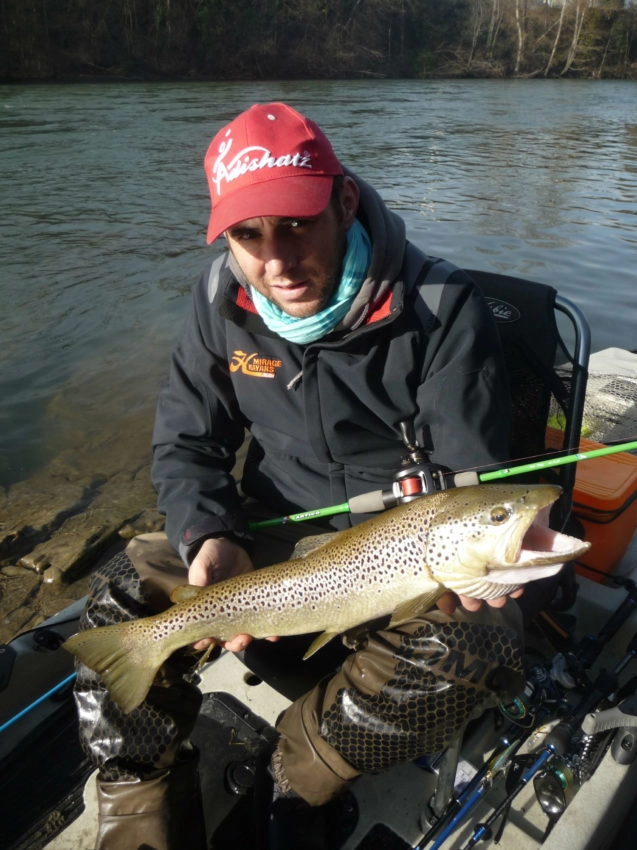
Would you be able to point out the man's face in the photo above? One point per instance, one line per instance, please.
(296, 262)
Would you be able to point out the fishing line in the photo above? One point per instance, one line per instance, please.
(616, 445)
(538, 465)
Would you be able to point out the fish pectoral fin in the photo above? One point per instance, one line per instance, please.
(309, 544)
(206, 655)
(415, 608)
(318, 643)
(185, 592)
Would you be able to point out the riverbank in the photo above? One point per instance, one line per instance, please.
(57, 525)
(354, 41)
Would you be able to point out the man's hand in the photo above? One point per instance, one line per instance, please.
(220, 558)
(448, 602)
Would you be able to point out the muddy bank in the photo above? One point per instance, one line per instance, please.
(79, 509)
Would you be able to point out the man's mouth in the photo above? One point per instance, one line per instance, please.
(292, 291)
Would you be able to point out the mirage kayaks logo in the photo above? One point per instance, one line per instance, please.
(254, 364)
(503, 311)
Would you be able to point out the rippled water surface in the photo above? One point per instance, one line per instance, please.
(105, 210)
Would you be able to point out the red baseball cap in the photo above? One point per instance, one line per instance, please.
(269, 161)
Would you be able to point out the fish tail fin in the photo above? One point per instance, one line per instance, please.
(124, 658)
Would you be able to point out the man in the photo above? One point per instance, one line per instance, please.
(321, 331)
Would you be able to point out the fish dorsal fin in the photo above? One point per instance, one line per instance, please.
(185, 593)
(307, 545)
(318, 643)
(414, 608)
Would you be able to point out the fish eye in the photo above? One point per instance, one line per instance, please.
(500, 515)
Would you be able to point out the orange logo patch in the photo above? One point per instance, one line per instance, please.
(254, 365)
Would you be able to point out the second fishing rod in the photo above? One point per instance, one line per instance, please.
(541, 702)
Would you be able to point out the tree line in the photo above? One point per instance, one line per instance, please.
(304, 39)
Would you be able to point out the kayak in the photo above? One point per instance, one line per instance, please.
(39, 748)
(46, 781)
(235, 732)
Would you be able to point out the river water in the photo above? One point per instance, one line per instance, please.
(105, 209)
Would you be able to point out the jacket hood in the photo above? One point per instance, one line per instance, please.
(387, 233)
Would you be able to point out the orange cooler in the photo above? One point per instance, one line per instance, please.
(605, 501)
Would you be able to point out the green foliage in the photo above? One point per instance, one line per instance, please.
(252, 39)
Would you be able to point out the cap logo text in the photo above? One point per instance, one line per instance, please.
(253, 158)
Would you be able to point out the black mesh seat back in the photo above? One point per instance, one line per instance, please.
(540, 366)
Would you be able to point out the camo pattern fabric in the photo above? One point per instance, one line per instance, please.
(442, 674)
(133, 746)
(407, 693)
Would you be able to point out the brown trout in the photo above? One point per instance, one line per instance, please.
(483, 541)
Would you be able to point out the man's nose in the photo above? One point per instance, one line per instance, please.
(280, 258)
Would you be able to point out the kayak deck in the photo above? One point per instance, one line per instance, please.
(387, 811)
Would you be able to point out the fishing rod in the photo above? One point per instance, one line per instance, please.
(42, 698)
(543, 699)
(475, 790)
(558, 741)
(42, 635)
(415, 482)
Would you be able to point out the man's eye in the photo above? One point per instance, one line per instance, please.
(243, 235)
(299, 223)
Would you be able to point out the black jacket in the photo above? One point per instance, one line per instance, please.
(419, 345)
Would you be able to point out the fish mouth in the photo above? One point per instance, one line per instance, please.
(534, 546)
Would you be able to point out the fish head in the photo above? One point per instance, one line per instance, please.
(487, 540)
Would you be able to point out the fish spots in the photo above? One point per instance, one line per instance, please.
(360, 574)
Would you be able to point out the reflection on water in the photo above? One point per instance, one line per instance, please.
(103, 229)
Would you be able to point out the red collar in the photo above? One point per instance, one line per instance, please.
(379, 310)
(245, 302)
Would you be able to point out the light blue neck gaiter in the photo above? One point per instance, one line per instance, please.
(309, 329)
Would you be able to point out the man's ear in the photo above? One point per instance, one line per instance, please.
(349, 201)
